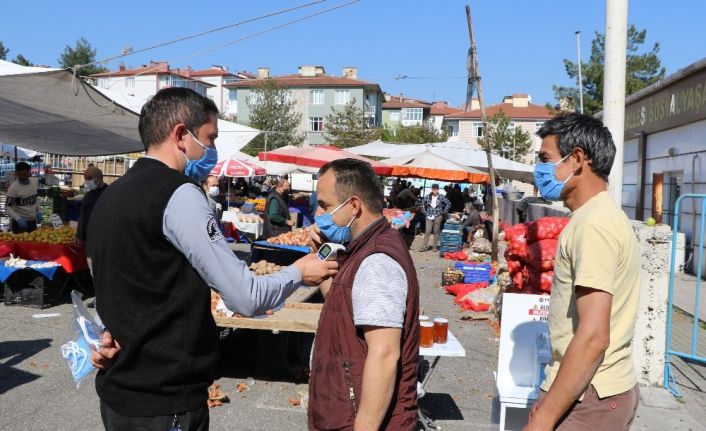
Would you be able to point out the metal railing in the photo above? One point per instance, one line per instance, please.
(669, 381)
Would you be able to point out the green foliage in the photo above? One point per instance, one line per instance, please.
(424, 134)
(506, 142)
(348, 128)
(271, 109)
(22, 61)
(82, 53)
(3, 51)
(642, 70)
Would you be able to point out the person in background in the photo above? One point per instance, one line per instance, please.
(21, 205)
(590, 380)
(406, 199)
(241, 187)
(157, 253)
(94, 186)
(471, 220)
(365, 358)
(467, 197)
(210, 186)
(436, 206)
(455, 196)
(277, 218)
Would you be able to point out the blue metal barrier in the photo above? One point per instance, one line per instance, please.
(669, 381)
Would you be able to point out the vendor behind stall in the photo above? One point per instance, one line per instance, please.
(277, 220)
(94, 186)
(21, 203)
(213, 194)
(241, 187)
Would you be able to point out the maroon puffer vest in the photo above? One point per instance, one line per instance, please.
(340, 348)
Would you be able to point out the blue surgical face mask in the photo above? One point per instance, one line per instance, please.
(545, 179)
(332, 231)
(199, 169)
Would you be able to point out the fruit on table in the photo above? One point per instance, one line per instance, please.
(249, 218)
(264, 267)
(46, 235)
(299, 237)
(259, 203)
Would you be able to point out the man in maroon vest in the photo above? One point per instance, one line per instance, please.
(364, 364)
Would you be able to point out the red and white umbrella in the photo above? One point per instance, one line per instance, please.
(235, 168)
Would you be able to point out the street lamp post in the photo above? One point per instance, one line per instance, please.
(578, 51)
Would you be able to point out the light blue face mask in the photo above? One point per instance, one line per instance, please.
(199, 169)
(332, 231)
(545, 179)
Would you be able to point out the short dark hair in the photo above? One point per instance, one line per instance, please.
(169, 107)
(574, 130)
(434, 186)
(22, 167)
(356, 178)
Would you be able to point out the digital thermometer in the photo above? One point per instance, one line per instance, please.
(329, 251)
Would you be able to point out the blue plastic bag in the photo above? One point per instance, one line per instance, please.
(85, 331)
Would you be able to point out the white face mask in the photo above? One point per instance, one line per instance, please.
(213, 191)
(90, 185)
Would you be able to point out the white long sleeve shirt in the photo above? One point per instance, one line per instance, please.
(22, 200)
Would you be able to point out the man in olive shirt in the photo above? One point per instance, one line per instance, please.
(590, 382)
(277, 219)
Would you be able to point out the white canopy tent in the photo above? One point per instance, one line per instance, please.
(458, 151)
(232, 137)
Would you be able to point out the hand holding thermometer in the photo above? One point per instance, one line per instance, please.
(329, 251)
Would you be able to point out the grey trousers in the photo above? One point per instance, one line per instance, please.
(432, 226)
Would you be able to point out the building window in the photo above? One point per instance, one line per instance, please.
(452, 129)
(342, 97)
(477, 130)
(394, 116)
(316, 124)
(538, 126)
(412, 115)
(316, 97)
(511, 127)
(104, 82)
(130, 82)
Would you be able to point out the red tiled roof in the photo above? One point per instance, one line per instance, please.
(305, 81)
(444, 110)
(532, 112)
(211, 72)
(398, 104)
(152, 69)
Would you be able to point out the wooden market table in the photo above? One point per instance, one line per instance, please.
(293, 317)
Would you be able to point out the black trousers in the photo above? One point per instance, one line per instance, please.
(195, 420)
(31, 227)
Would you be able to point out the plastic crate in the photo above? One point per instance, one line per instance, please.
(452, 225)
(474, 272)
(449, 249)
(31, 289)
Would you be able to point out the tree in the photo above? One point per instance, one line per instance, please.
(3, 52)
(505, 141)
(272, 110)
(81, 54)
(22, 60)
(348, 128)
(424, 134)
(642, 70)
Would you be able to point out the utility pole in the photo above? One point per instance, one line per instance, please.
(578, 51)
(616, 30)
(474, 75)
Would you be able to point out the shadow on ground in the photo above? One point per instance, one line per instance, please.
(13, 353)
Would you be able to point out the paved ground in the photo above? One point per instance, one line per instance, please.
(685, 294)
(36, 391)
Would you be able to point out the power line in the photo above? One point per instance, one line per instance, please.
(181, 39)
(250, 36)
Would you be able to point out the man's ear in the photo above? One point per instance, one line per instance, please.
(178, 135)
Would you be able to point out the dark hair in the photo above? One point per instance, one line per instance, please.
(356, 178)
(576, 130)
(435, 186)
(169, 107)
(22, 167)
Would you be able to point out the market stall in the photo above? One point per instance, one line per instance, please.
(37, 268)
(317, 156)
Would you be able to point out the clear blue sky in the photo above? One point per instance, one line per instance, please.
(521, 43)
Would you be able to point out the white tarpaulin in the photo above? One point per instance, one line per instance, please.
(231, 136)
(49, 110)
(458, 151)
